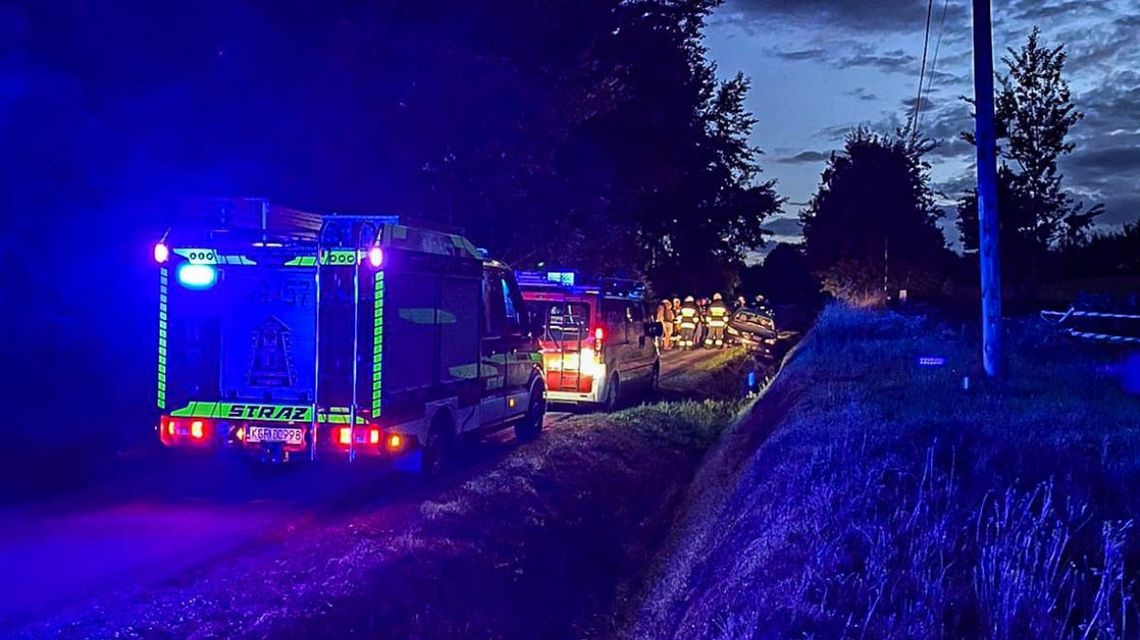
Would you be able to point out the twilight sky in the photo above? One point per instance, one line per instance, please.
(820, 67)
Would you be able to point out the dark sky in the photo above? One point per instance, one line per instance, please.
(820, 67)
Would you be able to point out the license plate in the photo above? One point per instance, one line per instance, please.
(274, 434)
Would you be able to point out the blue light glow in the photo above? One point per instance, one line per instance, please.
(197, 276)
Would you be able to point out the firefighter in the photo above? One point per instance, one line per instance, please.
(762, 305)
(699, 333)
(677, 321)
(688, 322)
(665, 317)
(718, 320)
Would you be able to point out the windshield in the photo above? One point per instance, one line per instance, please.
(563, 320)
(752, 317)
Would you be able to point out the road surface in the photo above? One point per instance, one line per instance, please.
(160, 524)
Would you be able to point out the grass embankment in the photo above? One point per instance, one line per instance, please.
(868, 497)
(543, 544)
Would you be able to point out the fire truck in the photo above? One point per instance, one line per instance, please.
(285, 335)
(598, 338)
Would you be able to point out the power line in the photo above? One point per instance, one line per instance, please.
(934, 62)
(922, 70)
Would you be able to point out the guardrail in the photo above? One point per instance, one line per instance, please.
(1063, 319)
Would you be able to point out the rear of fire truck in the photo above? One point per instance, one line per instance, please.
(573, 341)
(271, 329)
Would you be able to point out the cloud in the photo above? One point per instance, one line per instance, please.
(862, 94)
(805, 157)
(786, 227)
(926, 104)
(896, 61)
(1038, 11)
(1108, 161)
(863, 15)
(805, 54)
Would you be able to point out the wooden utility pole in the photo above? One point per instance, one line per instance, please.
(986, 145)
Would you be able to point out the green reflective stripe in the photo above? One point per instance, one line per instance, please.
(378, 345)
(302, 261)
(242, 260)
(163, 300)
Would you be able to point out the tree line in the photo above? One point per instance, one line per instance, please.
(872, 228)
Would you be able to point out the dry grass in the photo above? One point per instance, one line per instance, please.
(869, 497)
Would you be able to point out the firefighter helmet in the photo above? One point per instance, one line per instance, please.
(689, 299)
(717, 296)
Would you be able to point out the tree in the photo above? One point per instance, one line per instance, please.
(874, 218)
(784, 277)
(1034, 113)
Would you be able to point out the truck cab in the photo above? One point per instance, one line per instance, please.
(285, 335)
(598, 339)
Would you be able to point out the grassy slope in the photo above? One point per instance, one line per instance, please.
(869, 497)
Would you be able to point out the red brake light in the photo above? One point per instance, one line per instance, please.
(374, 436)
(197, 429)
(345, 436)
(170, 425)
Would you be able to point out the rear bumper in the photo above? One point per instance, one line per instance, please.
(576, 389)
(334, 442)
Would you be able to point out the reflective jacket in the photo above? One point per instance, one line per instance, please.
(718, 314)
(688, 315)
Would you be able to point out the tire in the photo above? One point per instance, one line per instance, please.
(437, 449)
(531, 426)
(613, 394)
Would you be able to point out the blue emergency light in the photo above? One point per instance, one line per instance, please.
(197, 276)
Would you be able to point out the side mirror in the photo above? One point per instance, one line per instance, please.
(654, 329)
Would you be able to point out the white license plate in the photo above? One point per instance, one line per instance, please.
(274, 434)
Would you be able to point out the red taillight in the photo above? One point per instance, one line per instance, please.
(374, 436)
(345, 436)
(197, 429)
(170, 426)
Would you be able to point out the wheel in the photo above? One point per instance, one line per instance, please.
(612, 398)
(531, 426)
(438, 446)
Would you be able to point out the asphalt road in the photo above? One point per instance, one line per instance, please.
(158, 525)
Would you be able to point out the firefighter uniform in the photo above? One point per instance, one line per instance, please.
(677, 321)
(718, 320)
(702, 322)
(688, 322)
(665, 317)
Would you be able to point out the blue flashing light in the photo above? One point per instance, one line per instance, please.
(197, 276)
